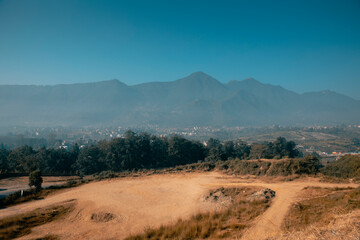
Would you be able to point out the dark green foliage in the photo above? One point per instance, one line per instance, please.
(57, 161)
(216, 151)
(280, 148)
(3, 160)
(138, 151)
(159, 151)
(348, 167)
(241, 150)
(90, 160)
(182, 151)
(35, 179)
(22, 160)
(134, 152)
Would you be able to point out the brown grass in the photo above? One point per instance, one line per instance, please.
(218, 224)
(32, 194)
(321, 207)
(344, 227)
(29, 195)
(48, 237)
(332, 179)
(20, 225)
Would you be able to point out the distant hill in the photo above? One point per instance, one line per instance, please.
(197, 99)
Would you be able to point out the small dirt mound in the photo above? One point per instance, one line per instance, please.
(264, 194)
(219, 197)
(102, 217)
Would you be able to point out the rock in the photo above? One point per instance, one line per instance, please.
(216, 194)
(264, 194)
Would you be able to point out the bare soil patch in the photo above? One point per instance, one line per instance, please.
(240, 207)
(20, 225)
(129, 205)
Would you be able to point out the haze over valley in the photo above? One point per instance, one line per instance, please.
(181, 119)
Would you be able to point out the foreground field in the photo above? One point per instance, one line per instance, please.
(118, 208)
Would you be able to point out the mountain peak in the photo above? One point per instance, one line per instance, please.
(199, 74)
(200, 78)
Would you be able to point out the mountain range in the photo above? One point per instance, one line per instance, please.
(196, 100)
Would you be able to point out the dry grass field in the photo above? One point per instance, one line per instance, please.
(133, 206)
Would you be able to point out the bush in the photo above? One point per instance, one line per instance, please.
(309, 165)
(244, 167)
(35, 179)
(106, 175)
(346, 167)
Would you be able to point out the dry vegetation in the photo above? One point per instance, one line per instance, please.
(325, 213)
(346, 167)
(227, 222)
(33, 194)
(319, 212)
(285, 169)
(20, 225)
(259, 167)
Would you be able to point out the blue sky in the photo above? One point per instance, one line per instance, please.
(300, 45)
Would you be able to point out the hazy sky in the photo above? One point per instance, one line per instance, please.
(300, 45)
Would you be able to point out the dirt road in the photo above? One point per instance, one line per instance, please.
(113, 209)
(269, 223)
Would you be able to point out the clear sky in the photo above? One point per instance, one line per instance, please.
(300, 45)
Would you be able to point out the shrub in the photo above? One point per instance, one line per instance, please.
(346, 167)
(307, 165)
(35, 179)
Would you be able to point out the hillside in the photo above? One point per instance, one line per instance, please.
(197, 99)
(156, 202)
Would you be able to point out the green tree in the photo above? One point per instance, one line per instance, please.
(229, 149)
(22, 160)
(90, 160)
(3, 160)
(215, 151)
(35, 179)
(159, 153)
(182, 151)
(242, 149)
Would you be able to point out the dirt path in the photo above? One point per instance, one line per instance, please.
(137, 203)
(269, 223)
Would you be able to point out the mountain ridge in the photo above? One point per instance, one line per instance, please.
(195, 99)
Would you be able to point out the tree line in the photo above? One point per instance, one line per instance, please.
(136, 151)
